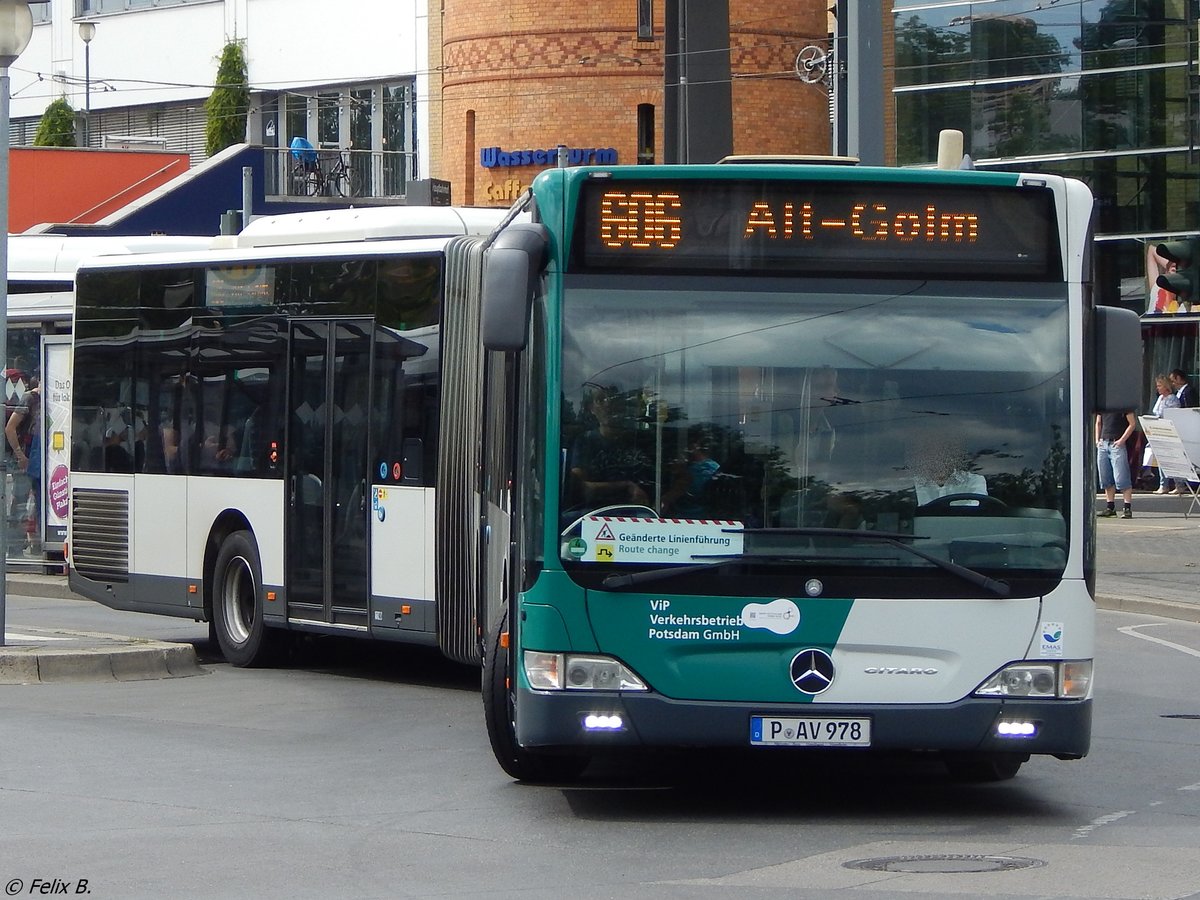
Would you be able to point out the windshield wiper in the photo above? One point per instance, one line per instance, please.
(895, 539)
(889, 538)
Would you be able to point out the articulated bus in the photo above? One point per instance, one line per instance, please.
(761, 455)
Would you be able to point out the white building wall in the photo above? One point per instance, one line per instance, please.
(170, 54)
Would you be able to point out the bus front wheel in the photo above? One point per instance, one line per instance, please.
(498, 687)
(237, 602)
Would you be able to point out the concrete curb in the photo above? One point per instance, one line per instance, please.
(22, 584)
(94, 657)
(1146, 606)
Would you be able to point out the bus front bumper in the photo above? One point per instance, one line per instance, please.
(561, 720)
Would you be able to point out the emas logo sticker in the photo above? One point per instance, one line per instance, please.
(780, 616)
(1051, 639)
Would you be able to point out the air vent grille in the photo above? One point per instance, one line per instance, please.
(100, 534)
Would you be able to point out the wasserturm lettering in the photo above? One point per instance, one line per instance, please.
(493, 157)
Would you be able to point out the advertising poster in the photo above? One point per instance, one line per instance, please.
(1168, 449)
(1159, 300)
(56, 439)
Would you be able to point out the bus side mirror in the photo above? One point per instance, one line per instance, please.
(1118, 351)
(510, 272)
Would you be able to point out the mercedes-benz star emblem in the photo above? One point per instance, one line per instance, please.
(812, 671)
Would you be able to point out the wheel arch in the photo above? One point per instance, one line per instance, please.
(227, 523)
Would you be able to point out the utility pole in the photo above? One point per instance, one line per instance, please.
(697, 83)
(87, 31)
(858, 82)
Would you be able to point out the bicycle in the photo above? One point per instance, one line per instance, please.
(339, 179)
(310, 179)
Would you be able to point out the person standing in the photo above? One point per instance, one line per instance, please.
(23, 434)
(1113, 430)
(1183, 388)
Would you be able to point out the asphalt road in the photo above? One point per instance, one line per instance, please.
(364, 771)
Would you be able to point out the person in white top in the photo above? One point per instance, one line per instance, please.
(1166, 400)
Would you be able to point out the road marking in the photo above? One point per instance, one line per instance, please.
(1085, 830)
(1132, 631)
(1142, 529)
(17, 636)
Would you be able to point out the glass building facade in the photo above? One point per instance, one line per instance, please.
(1101, 90)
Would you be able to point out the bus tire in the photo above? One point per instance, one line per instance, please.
(978, 768)
(237, 603)
(521, 764)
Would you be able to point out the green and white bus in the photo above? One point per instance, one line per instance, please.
(793, 456)
(754, 455)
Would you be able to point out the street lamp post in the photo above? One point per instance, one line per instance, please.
(87, 31)
(16, 28)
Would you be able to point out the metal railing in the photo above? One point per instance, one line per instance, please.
(326, 172)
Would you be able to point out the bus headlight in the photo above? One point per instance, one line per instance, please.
(572, 672)
(1040, 680)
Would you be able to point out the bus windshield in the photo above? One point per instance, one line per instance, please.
(773, 422)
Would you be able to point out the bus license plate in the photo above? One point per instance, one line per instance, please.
(810, 731)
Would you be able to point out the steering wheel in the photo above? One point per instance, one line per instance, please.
(982, 502)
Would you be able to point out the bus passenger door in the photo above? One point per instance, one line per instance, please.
(328, 402)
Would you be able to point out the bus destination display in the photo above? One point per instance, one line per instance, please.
(895, 229)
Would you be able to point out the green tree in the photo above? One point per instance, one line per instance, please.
(57, 127)
(229, 102)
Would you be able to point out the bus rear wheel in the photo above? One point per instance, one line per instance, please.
(984, 767)
(521, 764)
(237, 602)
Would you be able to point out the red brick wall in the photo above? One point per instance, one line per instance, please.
(537, 74)
(773, 110)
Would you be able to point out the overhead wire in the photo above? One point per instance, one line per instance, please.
(515, 64)
(523, 63)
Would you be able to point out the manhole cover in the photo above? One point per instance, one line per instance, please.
(944, 863)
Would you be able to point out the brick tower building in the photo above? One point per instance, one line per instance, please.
(514, 80)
